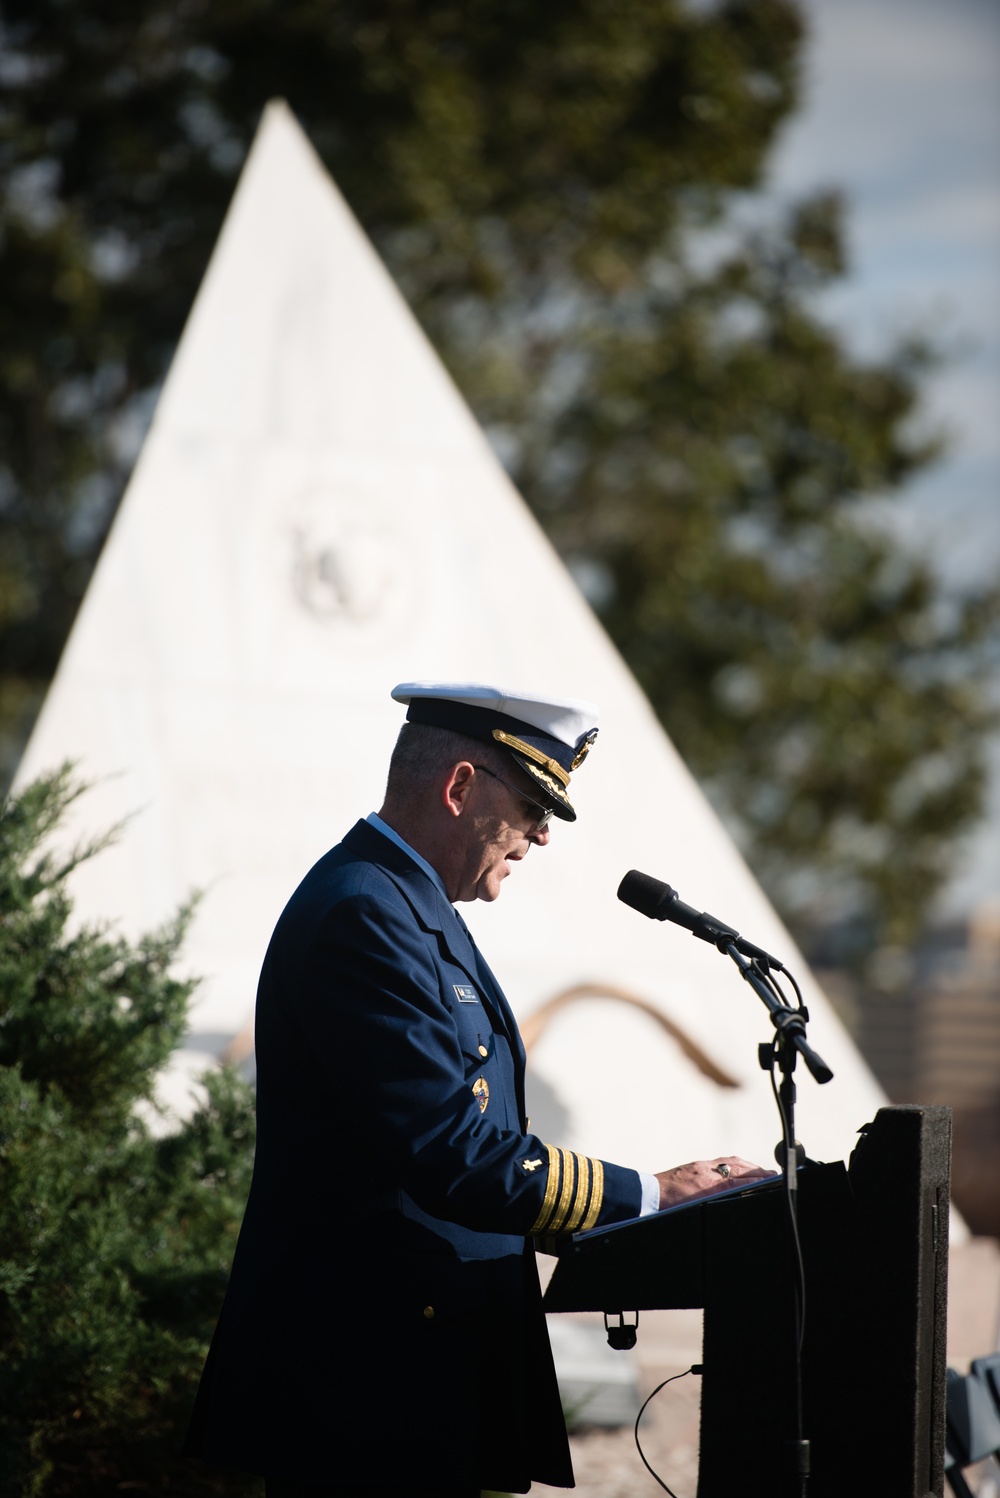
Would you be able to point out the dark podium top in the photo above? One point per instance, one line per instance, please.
(875, 1243)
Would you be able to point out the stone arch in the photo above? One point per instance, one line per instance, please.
(533, 1027)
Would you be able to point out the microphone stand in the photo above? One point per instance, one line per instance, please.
(660, 902)
(788, 1044)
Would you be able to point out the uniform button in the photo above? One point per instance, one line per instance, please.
(429, 1312)
(483, 1051)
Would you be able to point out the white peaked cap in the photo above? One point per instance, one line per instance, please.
(566, 718)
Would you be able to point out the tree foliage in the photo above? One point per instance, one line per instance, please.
(115, 1239)
(706, 479)
(561, 192)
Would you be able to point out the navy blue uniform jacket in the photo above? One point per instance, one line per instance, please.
(383, 1319)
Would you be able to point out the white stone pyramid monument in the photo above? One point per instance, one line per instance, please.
(315, 516)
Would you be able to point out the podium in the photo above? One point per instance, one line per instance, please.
(874, 1238)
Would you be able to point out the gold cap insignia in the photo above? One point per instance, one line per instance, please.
(584, 749)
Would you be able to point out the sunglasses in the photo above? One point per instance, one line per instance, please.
(546, 811)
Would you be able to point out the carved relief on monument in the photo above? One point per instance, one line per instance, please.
(350, 562)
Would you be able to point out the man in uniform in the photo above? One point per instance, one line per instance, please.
(382, 1332)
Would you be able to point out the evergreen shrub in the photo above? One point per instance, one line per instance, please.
(115, 1237)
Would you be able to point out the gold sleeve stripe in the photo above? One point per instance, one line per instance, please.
(551, 1187)
(558, 1222)
(578, 1182)
(581, 1196)
(596, 1197)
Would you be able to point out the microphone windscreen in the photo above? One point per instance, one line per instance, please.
(645, 894)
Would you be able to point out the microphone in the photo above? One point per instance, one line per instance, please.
(662, 903)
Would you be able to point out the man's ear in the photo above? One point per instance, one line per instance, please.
(456, 787)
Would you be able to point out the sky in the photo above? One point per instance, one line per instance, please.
(902, 112)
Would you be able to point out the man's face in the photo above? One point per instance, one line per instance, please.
(502, 827)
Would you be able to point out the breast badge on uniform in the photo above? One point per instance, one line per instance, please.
(465, 994)
(481, 1092)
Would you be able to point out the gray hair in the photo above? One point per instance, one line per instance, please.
(423, 754)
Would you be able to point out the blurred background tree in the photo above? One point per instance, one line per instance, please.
(564, 193)
(115, 1239)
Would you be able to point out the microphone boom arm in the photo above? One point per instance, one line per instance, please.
(790, 1023)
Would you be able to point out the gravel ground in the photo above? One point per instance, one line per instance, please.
(606, 1462)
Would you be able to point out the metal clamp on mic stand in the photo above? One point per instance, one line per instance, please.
(653, 898)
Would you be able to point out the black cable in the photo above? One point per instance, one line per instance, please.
(771, 978)
(798, 991)
(694, 1368)
(776, 986)
(792, 1214)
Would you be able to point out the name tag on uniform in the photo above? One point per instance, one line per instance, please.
(464, 994)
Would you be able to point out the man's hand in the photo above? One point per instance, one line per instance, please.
(706, 1178)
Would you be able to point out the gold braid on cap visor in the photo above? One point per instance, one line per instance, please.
(530, 752)
(547, 782)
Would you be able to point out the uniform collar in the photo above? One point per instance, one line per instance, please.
(431, 908)
(424, 893)
(422, 889)
(374, 820)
